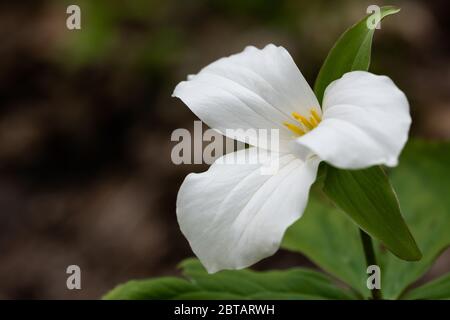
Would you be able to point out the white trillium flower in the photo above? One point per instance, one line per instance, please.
(232, 215)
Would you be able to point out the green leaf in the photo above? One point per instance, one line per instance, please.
(368, 198)
(243, 284)
(365, 195)
(331, 240)
(422, 182)
(297, 281)
(161, 288)
(438, 289)
(351, 52)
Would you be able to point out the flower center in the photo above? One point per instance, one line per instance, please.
(303, 125)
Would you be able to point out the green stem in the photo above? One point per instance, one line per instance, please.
(370, 258)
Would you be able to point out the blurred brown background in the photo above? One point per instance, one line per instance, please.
(86, 117)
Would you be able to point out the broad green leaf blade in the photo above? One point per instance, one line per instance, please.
(365, 195)
(331, 240)
(422, 182)
(438, 289)
(242, 284)
(351, 52)
(160, 288)
(271, 284)
(368, 198)
(209, 295)
(285, 296)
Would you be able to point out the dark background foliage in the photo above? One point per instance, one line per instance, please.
(86, 118)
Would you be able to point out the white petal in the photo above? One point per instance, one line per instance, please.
(254, 89)
(365, 122)
(234, 216)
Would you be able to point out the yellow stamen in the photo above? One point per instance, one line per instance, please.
(304, 125)
(316, 115)
(313, 121)
(294, 128)
(302, 120)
